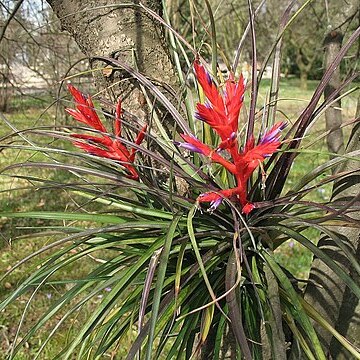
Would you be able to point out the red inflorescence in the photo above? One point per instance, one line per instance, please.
(103, 145)
(221, 112)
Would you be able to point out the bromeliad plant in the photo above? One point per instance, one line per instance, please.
(221, 113)
(183, 283)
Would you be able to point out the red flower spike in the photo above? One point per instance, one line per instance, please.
(102, 141)
(252, 155)
(222, 110)
(228, 143)
(216, 120)
(85, 112)
(247, 208)
(242, 166)
(213, 196)
(141, 135)
(274, 133)
(103, 145)
(209, 88)
(117, 127)
(216, 198)
(234, 97)
(138, 141)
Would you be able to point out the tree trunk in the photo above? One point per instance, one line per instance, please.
(335, 139)
(303, 79)
(5, 90)
(331, 297)
(304, 63)
(340, 18)
(126, 33)
(5, 74)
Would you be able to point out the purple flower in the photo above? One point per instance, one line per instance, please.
(188, 146)
(274, 133)
(215, 204)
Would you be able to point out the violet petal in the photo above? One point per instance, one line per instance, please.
(188, 146)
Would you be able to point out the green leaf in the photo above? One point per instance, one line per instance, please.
(47, 215)
(198, 255)
(299, 313)
(160, 281)
(320, 320)
(321, 255)
(126, 277)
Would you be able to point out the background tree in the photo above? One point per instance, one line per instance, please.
(35, 54)
(9, 48)
(341, 17)
(326, 290)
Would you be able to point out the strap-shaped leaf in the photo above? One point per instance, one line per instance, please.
(159, 282)
(299, 313)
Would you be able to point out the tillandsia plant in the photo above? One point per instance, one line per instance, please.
(176, 281)
(221, 113)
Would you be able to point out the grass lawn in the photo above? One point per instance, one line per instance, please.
(15, 245)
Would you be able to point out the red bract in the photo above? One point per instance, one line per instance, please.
(221, 112)
(102, 145)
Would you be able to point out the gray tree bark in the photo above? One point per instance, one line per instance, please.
(126, 33)
(340, 16)
(333, 117)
